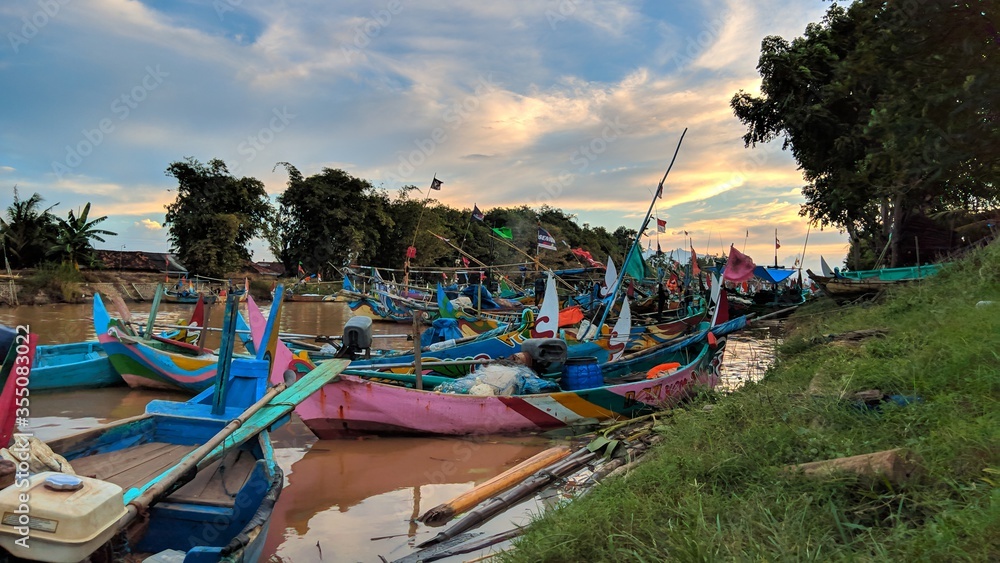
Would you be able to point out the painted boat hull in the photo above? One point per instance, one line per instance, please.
(80, 365)
(354, 405)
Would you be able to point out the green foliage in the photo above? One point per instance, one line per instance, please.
(27, 231)
(889, 109)
(716, 489)
(59, 282)
(214, 216)
(73, 235)
(330, 219)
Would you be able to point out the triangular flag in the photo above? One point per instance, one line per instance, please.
(610, 278)
(621, 332)
(547, 322)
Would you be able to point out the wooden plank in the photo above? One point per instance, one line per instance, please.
(217, 484)
(131, 467)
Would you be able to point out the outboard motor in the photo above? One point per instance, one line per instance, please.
(545, 353)
(357, 337)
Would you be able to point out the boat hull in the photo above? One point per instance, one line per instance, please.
(354, 405)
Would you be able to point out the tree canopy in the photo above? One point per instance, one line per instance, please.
(27, 230)
(889, 108)
(214, 216)
(73, 237)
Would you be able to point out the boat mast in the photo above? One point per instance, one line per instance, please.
(642, 229)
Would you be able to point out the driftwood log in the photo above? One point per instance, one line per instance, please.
(896, 466)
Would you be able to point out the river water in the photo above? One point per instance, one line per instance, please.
(344, 500)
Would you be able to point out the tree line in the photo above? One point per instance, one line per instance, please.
(332, 219)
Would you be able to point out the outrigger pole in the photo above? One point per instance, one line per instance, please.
(645, 222)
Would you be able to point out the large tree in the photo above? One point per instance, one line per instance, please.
(73, 238)
(27, 231)
(886, 108)
(329, 219)
(214, 216)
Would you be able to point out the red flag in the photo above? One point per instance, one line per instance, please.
(777, 244)
(739, 267)
(723, 306)
(411, 252)
(695, 270)
(465, 261)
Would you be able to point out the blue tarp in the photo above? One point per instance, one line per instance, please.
(773, 275)
(441, 329)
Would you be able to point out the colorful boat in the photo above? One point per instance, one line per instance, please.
(357, 404)
(156, 362)
(194, 481)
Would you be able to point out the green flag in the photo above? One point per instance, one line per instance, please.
(504, 232)
(636, 267)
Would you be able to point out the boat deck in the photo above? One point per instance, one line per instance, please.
(216, 485)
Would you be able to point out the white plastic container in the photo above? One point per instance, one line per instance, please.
(64, 526)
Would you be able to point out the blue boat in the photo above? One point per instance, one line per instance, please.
(79, 365)
(191, 481)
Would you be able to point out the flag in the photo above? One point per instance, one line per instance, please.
(301, 271)
(411, 252)
(588, 257)
(545, 240)
(777, 244)
(739, 267)
(436, 184)
(504, 232)
(661, 225)
(465, 261)
(477, 214)
(695, 270)
(659, 191)
(636, 267)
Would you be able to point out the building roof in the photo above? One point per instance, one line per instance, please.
(139, 261)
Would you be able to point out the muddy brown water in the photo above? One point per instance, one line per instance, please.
(343, 500)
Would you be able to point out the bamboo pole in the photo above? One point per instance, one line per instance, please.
(467, 500)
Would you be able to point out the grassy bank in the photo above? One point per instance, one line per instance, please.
(716, 489)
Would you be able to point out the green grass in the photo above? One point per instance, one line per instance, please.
(715, 489)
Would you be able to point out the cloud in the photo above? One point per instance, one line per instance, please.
(149, 224)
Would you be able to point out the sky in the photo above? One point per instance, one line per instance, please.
(574, 104)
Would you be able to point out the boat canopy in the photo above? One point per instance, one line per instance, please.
(773, 275)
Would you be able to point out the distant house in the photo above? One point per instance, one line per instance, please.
(270, 269)
(139, 261)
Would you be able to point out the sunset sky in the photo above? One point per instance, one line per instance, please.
(575, 104)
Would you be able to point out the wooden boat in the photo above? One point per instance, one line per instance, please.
(193, 481)
(357, 404)
(190, 296)
(849, 286)
(79, 365)
(156, 362)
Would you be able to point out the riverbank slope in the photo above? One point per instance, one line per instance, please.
(719, 488)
